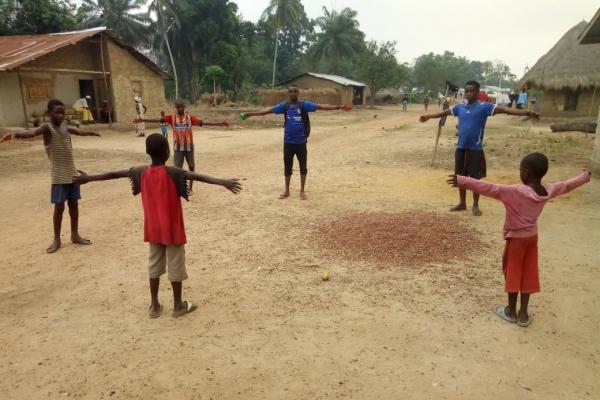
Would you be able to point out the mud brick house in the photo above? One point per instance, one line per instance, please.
(69, 65)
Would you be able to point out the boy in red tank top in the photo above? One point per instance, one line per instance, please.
(161, 188)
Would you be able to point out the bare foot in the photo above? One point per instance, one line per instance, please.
(79, 240)
(303, 196)
(53, 248)
(476, 211)
(460, 207)
(284, 195)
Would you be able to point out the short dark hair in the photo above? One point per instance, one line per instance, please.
(473, 83)
(179, 101)
(156, 145)
(536, 163)
(293, 85)
(53, 103)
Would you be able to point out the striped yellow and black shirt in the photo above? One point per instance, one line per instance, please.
(60, 154)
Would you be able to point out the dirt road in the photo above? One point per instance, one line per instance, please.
(75, 323)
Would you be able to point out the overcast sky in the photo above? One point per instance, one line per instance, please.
(515, 31)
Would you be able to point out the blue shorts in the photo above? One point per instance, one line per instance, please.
(165, 131)
(64, 192)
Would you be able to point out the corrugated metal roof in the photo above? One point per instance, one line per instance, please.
(16, 51)
(333, 78)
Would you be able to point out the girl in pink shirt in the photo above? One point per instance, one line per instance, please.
(524, 204)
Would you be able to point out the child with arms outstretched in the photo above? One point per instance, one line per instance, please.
(161, 188)
(524, 204)
(57, 142)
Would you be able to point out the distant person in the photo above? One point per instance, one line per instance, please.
(405, 103)
(426, 101)
(82, 107)
(162, 188)
(524, 204)
(104, 112)
(183, 135)
(140, 110)
(57, 142)
(535, 105)
(164, 127)
(512, 98)
(469, 158)
(522, 100)
(296, 131)
(482, 96)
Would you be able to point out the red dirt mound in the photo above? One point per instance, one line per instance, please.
(410, 238)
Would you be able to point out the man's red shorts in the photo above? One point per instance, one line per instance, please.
(520, 265)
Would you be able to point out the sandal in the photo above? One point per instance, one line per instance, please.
(189, 307)
(501, 312)
(155, 314)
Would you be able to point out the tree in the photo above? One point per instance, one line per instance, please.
(214, 72)
(339, 37)
(284, 14)
(208, 34)
(378, 66)
(122, 16)
(19, 17)
(166, 17)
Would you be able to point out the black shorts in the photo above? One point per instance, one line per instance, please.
(470, 163)
(291, 150)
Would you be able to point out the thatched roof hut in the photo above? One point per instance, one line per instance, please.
(567, 77)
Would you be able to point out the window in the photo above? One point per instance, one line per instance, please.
(571, 100)
(39, 90)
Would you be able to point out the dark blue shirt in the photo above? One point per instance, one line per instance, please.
(294, 126)
(471, 123)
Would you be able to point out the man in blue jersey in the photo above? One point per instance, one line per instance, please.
(296, 132)
(469, 156)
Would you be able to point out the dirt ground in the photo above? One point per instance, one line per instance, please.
(75, 323)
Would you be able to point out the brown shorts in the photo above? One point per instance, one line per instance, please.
(174, 255)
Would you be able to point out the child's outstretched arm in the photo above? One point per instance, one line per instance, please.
(84, 178)
(230, 184)
(517, 112)
(208, 123)
(26, 134)
(264, 111)
(427, 117)
(328, 107)
(558, 188)
(493, 190)
(78, 132)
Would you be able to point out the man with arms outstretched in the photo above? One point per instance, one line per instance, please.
(296, 131)
(469, 157)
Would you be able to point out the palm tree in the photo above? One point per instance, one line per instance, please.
(166, 18)
(285, 13)
(122, 16)
(340, 37)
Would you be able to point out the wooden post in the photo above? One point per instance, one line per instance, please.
(26, 118)
(595, 162)
(591, 107)
(105, 81)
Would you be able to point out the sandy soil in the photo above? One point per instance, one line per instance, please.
(74, 324)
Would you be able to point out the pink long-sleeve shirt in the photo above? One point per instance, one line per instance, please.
(523, 205)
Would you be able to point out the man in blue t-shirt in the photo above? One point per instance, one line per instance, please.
(296, 131)
(469, 159)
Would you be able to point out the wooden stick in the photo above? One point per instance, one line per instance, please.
(439, 132)
(591, 107)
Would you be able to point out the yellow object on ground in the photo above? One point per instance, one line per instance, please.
(86, 115)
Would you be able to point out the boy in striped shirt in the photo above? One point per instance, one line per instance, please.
(57, 142)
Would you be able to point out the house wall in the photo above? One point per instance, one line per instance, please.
(126, 73)
(346, 93)
(11, 110)
(553, 102)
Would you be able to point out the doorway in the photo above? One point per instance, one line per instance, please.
(86, 88)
